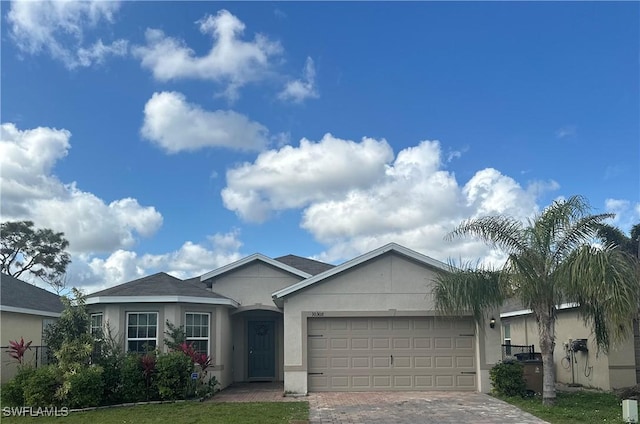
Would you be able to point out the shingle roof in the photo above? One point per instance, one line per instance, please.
(160, 284)
(18, 294)
(309, 266)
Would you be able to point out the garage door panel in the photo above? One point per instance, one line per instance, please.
(359, 343)
(402, 362)
(422, 342)
(381, 361)
(443, 343)
(382, 382)
(355, 354)
(361, 381)
(422, 361)
(464, 342)
(342, 343)
(401, 343)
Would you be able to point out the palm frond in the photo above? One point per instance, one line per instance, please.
(469, 291)
(499, 231)
(606, 284)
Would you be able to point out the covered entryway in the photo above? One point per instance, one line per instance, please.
(391, 353)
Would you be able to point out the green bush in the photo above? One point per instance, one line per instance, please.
(84, 387)
(41, 388)
(507, 378)
(173, 375)
(13, 391)
(112, 379)
(133, 384)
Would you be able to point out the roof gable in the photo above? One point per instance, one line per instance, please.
(391, 247)
(249, 259)
(19, 296)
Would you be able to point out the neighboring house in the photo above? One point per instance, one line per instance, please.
(25, 311)
(576, 357)
(368, 324)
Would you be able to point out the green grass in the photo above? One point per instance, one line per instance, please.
(575, 407)
(184, 413)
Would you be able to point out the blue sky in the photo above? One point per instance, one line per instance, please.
(180, 136)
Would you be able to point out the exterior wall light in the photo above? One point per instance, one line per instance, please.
(492, 322)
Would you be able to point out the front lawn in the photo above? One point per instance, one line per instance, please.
(184, 412)
(576, 407)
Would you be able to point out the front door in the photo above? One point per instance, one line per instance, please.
(262, 350)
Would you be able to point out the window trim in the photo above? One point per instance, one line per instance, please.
(92, 327)
(128, 339)
(208, 338)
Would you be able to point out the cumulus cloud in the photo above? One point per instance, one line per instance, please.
(356, 196)
(31, 191)
(231, 60)
(627, 213)
(299, 90)
(191, 259)
(177, 125)
(293, 177)
(60, 29)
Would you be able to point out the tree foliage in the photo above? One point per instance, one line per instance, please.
(550, 260)
(39, 251)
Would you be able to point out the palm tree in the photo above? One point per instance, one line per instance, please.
(550, 260)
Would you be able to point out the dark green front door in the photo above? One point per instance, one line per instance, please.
(262, 350)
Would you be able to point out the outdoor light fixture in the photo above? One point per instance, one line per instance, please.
(492, 322)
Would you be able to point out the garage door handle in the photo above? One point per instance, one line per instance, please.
(468, 372)
(315, 373)
(391, 359)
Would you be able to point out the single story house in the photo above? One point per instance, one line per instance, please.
(368, 324)
(25, 311)
(576, 357)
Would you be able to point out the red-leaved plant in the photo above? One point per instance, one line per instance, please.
(17, 349)
(198, 358)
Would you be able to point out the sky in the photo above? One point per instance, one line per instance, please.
(182, 136)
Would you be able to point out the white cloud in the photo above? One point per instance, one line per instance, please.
(176, 125)
(299, 90)
(293, 177)
(60, 28)
(627, 213)
(31, 191)
(192, 259)
(356, 197)
(566, 131)
(231, 60)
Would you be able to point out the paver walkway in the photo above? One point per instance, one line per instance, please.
(387, 407)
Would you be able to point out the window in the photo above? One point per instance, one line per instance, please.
(506, 330)
(96, 326)
(142, 331)
(46, 322)
(197, 330)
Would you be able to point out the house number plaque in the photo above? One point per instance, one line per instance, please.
(317, 314)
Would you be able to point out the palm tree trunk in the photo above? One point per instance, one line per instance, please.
(546, 325)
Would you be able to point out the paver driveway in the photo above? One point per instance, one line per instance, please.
(413, 408)
(388, 407)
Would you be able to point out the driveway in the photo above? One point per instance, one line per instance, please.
(414, 408)
(387, 407)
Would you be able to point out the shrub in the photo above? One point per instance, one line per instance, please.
(41, 388)
(13, 391)
(84, 387)
(507, 378)
(133, 383)
(173, 375)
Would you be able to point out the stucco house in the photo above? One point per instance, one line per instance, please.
(576, 357)
(25, 311)
(367, 324)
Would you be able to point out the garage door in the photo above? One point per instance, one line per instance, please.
(368, 354)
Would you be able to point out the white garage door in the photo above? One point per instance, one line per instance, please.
(368, 354)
